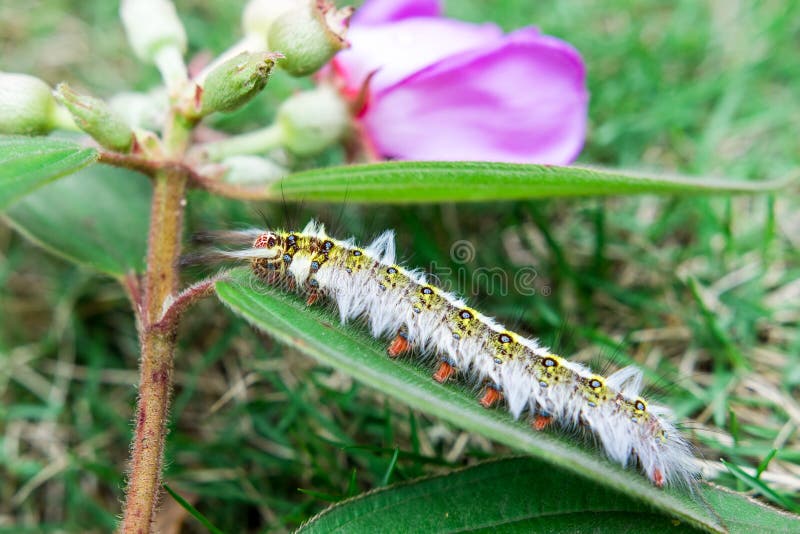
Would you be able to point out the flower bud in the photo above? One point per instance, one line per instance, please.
(309, 35)
(96, 118)
(152, 25)
(258, 16)
(312, 120)
(26, 105)
(236, 81)
(252, 170)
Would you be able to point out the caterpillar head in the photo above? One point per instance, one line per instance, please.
(268, 256)
(268, 240)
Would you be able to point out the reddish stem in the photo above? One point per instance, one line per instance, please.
(198, 180)
(158, 346)
(172, 315)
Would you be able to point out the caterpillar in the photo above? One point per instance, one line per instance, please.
(421, 318)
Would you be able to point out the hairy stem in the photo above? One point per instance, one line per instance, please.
(158, 344)
(147, 452)
(163, 249)
(185, 299)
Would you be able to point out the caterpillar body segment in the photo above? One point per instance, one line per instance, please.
(402, 305)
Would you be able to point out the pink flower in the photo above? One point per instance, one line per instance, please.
(449, 90)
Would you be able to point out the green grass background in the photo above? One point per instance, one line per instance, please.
(701, 292)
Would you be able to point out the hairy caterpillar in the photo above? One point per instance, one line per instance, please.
(424, 319)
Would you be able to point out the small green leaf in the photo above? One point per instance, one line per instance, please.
(526, 495)
(349, 349)
(430, 181)
(96, 217)
(30, 162)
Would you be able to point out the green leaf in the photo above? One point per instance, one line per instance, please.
(508, 495)
(96, 217)
(428, 182)
(27, 163)
(523, 495)
(349, 349)
(743, 514)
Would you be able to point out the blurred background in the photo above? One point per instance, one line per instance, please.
(261, 438)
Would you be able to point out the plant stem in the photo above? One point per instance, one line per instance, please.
(166, 219)
(185, 299)
(169, 61)
(147, 453)
(256, 142)
(158, 344)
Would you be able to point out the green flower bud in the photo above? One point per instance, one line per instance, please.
(152, 25)
(258, 16)
(309, 36)
(235, 82)
(96, 118)
(26, 105)
(312, 120)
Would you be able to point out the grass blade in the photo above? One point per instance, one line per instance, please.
(760, 486)
(194, 512)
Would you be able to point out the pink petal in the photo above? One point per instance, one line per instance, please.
(521, 100)
(402, 48)
(380, 11)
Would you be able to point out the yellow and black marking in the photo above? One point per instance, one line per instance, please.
(356, 260)
(324, 251)
(427, 298)
(636, 408)
(504, 347)
(594, 390)
(293, 244)
(550, 370)
(321, 252)
(463, 322)
(392, 277)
